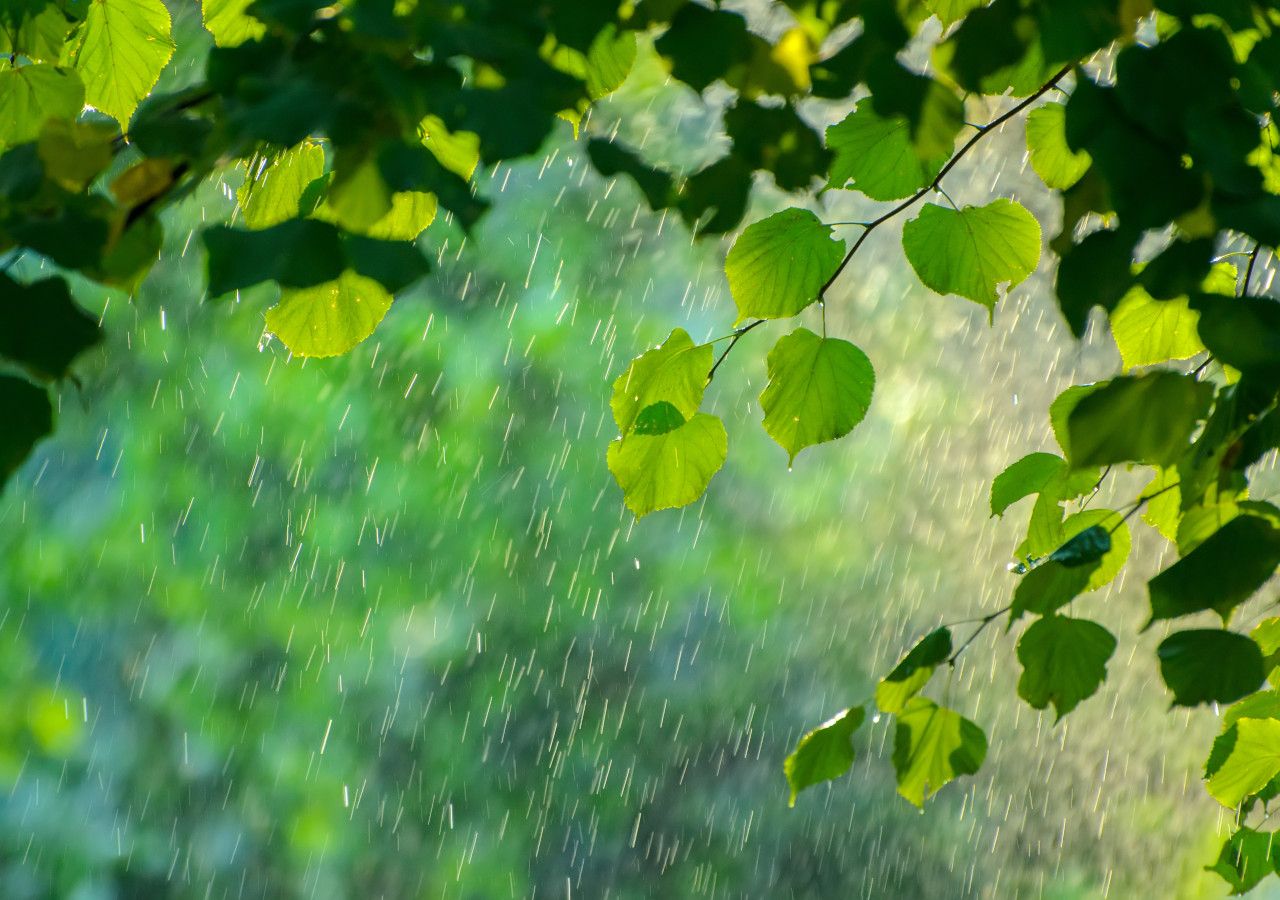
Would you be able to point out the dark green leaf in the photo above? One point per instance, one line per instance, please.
(1210, 666)
(297, 253)
(1096, 272)
(28, 417)
(42, 328)
(1220, 573)
(1144, 418)
(1246, 858)
(1064, 661)
(1049, 587)
(1086, 547)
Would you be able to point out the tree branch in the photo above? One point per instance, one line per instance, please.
(934, 185)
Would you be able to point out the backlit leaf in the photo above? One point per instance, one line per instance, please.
(824, 753)
(913, 671)
(273, 193)
(668, 470)
(328, 319)
(674, 373)
(777, 265)
(1253, 761)
(119, 51)
(818, 390)
(974, 250)
(29, 95)
(932, 746)
(875, 155)
(1058, 165)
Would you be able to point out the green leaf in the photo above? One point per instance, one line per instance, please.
(1149, 331)
(1243, 332)
(1081, 540)
(30, 95)
(1049, 587)
(1057, 164)
(42, 328)
(1060, 410)
(273, 194)
(1029, 475)
(1266, 634)
(818, 390)
(1209, 666)
(1262, 705)
(778, 265)
(296, 253)
(1064, 661)
(228, 22)
(328, 319)
(35, 29)
(1253, 761)
(28, 418)
(824, 753)
(121, 49)
(1086, 547)
(1163, 511)
(913, 671)
(668, 470)
(875, 155)
(951, 11)
(1143, 418)
(659, 418)
(933, 746)
(1219, 574)
(674, 373)
(1246, 858)
(971, 251)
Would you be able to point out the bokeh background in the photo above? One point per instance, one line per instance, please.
(380, 626)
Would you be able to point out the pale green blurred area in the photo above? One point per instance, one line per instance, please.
(380, 626)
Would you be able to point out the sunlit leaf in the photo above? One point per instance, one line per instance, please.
(229, 23)
(875, 155)
(932, 746)
(668, 470)
(777, 265)
(819, 389)
(1058, 165)
(1253, 761)
(273, 193)
(1149, 331)
(974, 250)
(673, 373)
(1029, 475)
(913, 671)
(119, 51)
(29, 95)
(328, 319)
(1246, 858)
(824, 753)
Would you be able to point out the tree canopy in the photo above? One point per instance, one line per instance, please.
(356, 123)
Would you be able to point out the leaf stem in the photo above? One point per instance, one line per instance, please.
(736, 336)
(942, 173)
(982, 625)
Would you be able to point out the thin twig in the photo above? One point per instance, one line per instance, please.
(737, 336)
(1248, 273)
(982, 625)
(942, 173)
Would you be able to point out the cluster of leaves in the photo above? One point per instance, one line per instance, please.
(1161, 134)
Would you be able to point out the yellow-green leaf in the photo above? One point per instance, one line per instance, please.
(672, 469)
(818, 390)
(121, 48)
(674, 373)
(1055, 162)
(1149, 331)
(778, 265)
(934, 745)
(273, 194)
(824, 753)
(31, 95)
(228, 22)
(1254, 760)
(874, 154)
(972, 251)
(331, 318)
